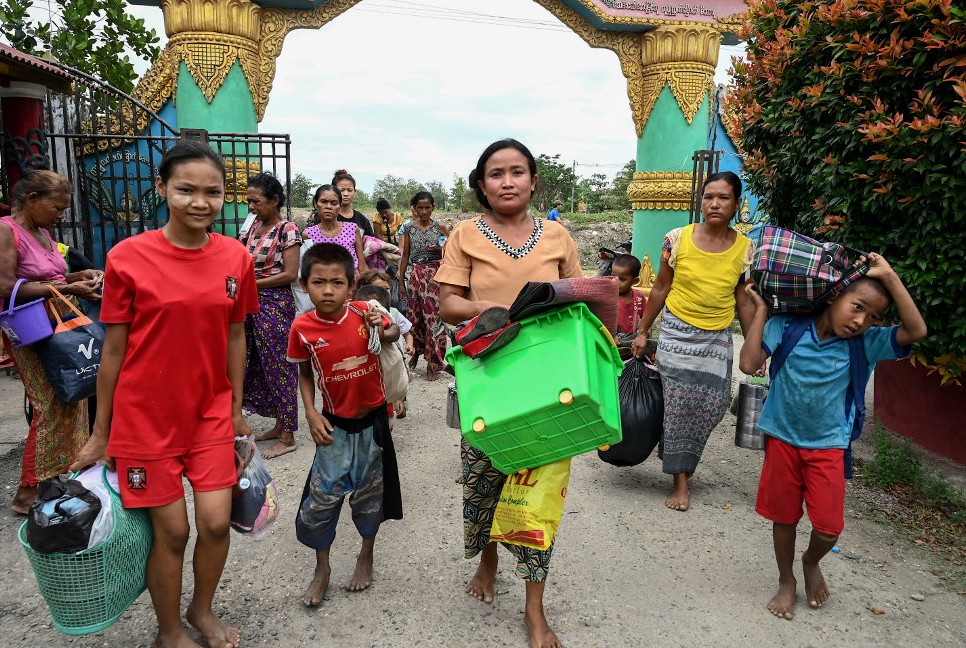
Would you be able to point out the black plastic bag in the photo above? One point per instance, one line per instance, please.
(61, 518)
(642, 414)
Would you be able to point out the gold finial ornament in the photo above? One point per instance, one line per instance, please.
(646, 278)
(237, 172)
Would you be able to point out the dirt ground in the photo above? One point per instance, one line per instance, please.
(626, 571)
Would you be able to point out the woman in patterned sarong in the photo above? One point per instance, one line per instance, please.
(57, 430)
(698, 287)
(488, 261)
(271, 382)
(421, 253)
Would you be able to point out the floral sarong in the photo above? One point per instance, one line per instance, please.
(58, 430)
(271, 382)
(422, 294)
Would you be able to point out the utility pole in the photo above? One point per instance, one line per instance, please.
(573, 187)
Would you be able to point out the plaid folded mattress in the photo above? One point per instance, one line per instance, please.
(797, 274)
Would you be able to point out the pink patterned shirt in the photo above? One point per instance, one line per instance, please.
(346, 238)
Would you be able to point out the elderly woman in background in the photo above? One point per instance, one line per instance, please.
(271, 382)
(57, 430)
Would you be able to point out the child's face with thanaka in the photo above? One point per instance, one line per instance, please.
(328, 288)
(624, 279)
(195, 193)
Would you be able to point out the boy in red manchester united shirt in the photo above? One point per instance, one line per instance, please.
(354, 456)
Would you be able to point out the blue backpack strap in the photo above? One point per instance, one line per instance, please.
(793, 332)
(855, 397)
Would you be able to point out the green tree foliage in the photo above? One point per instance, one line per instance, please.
(397, 191)
(556, 181)
(621, 182)
(440, 194)
(363, 202)
(302, 190)
(461, 197)
(94, 36)
(854, 115)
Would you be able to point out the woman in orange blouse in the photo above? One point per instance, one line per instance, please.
(486, 262)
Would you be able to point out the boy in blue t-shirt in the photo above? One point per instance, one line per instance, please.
(806, 431)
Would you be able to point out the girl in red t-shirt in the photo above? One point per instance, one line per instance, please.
(170, 384)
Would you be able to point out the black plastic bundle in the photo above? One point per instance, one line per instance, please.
(641, 399)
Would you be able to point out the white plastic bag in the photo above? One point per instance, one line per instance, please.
(254, 504)
(302, 302)
(392, 362)
(93, 480)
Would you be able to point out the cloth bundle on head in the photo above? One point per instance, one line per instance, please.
(599, 293)
(379, 254)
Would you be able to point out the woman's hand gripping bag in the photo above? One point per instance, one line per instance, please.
(254, 504)
(531, 504)
(641, 399)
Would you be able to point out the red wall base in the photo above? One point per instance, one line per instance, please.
(914, 404)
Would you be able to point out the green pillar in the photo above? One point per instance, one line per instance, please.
(232, 110)
(666, 147)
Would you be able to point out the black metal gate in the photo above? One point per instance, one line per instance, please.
(705, 163)
(109, 145)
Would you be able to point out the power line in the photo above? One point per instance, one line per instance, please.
(442, 13)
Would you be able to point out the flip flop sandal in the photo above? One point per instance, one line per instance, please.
(490, 321)
(492, 341)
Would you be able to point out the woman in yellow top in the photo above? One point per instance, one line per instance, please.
(486, 262)
(386, 222)
(698, 287)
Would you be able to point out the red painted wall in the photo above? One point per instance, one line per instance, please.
(912, 403)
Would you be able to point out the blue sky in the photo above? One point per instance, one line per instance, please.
(381, 91)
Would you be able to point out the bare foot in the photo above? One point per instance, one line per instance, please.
(483, 584)
(286, 444)
(362, 577)
(431, 375)
(181, 640)
(541, 636)
(680, 499)
(816, 589)
(782, 604)
(217, 633)
(268, 435)
(313, 595)
(23, 499)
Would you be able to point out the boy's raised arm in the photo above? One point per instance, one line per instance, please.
(752, 355)
(912, 327)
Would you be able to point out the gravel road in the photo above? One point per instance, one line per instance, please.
(626, 570)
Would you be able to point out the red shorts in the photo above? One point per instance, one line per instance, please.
(157, 482)
(792, 475)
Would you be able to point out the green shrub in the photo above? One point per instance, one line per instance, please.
(854, 128)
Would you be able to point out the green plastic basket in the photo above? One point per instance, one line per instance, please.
(548, 395)
(90, 590)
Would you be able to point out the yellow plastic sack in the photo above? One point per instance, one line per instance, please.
(531, 504)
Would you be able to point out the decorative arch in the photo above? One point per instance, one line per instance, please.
(210, 36)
